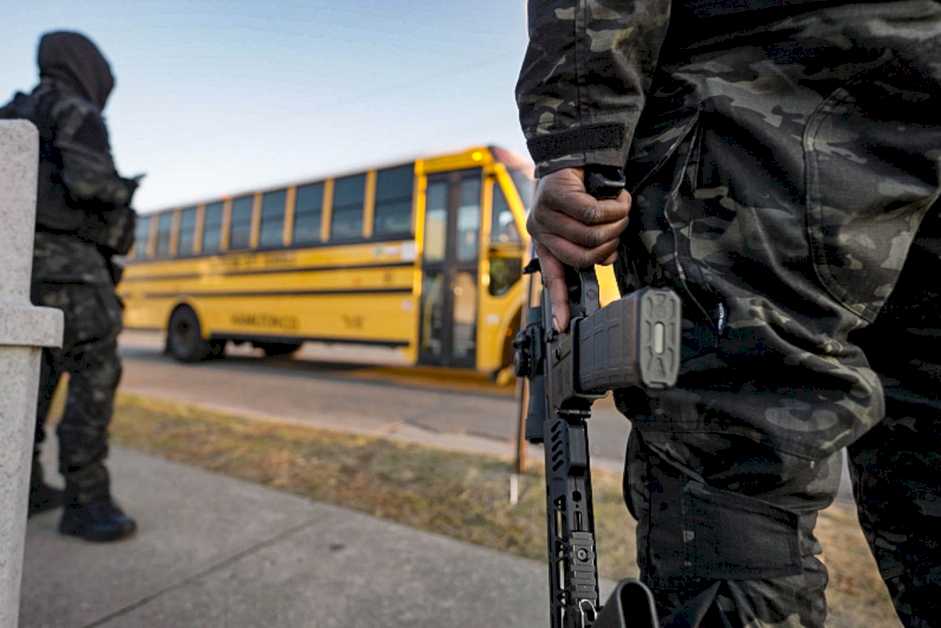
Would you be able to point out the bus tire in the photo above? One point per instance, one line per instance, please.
(184, 337)
(275, 349)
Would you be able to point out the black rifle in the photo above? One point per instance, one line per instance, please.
(634, 341)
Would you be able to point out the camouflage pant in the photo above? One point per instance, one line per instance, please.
(782, 175)
(89, 355)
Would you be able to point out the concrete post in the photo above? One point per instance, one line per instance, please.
(24, 330)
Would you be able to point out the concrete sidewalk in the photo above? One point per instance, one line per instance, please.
(214, 551)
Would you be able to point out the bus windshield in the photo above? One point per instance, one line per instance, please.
(525, 185)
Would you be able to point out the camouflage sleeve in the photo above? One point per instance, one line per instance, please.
(87, 166)
(581, 88)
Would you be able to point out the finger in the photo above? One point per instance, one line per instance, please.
(611, 259)
(587, 236)
(584, 207)
(578, 256)
(553, 278)
(571, 253)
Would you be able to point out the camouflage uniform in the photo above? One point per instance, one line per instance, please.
(72, 275)
(785, 161)
(79, 191)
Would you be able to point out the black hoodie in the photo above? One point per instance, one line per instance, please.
(74, 61)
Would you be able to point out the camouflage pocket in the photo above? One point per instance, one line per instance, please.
(92, 314)
(872, 151)
(698, 531)
(112, 230)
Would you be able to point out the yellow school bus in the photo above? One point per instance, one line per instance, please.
(424, 256)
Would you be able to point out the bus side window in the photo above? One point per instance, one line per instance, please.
(308, 209)
(347, 220)
(272, 219)
(141, 238)
(187, 236)
(393, 208)
(503, 226)
(212, 227)
(240, 231)
(164, 233)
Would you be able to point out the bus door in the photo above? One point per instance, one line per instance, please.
(448, 324)
(501, 292)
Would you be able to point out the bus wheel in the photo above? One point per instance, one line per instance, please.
(184, 337)
(274, 349)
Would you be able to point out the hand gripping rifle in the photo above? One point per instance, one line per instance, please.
(634, 341)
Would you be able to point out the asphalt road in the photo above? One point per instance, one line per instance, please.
(330, 387)
(428, 406)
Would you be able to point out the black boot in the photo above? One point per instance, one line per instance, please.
(100, 521)
(42, 497)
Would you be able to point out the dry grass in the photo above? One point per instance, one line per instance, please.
(459, 495)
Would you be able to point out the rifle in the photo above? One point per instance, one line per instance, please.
(633, 341)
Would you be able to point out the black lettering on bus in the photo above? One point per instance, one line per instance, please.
(261, 319)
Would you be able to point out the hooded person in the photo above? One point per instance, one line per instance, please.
(79, 178)
(79, 191)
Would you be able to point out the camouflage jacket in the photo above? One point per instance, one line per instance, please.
(60, 258)
(581, 88)
(77, 173)
(589, 64)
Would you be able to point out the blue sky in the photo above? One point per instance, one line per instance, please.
(215, 96)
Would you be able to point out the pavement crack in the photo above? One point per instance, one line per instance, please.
(192, 578)
(415, 421)
(488, 436)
